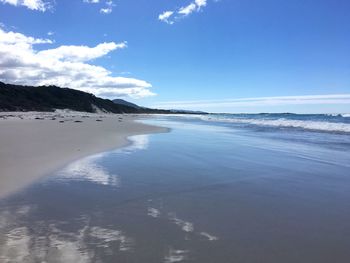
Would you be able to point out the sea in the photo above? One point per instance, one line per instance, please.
(228, 188)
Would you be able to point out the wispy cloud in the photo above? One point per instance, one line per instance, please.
(165, 16)
(81, 53)
(109, 7)
(106, 10)
(91, 1)
(65, 66)
(187, 10)
(38, 5)
(256, 102)
(171, 16)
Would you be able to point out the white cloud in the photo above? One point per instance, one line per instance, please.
(91, 1)
(106, 10)
(186, 10)
(64, 66)
(12, 38)
(109, 7)
(165, 17)
(257, 102)
(195, 6)
(80, 53)
(201, 3)
(38, 5)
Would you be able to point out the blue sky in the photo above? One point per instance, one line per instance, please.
(205, 54)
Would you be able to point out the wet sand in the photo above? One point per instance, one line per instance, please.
(35, 144)
(200, 193)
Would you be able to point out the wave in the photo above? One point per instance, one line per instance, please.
(325, 126)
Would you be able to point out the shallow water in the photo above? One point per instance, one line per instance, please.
(204, 192)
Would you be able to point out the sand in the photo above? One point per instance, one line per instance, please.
(34, 144)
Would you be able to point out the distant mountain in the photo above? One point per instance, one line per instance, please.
(49, 98)
(126, 103)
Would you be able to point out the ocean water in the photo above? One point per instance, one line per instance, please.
(212, 189)
(336, 123)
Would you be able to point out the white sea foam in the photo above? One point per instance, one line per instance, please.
(286, 123)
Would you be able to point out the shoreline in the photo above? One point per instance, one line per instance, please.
(34, 144)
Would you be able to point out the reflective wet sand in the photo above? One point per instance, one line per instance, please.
(197, 194)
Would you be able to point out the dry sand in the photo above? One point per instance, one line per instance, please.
(31, 148)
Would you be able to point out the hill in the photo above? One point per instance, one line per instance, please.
(126, 103)
(49, 98)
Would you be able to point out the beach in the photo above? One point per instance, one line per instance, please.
(206, 191)
(33, 144)
(198, 131)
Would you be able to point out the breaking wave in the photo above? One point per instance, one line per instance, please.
(318, 122)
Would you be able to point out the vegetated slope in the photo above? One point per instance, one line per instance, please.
(49, 98)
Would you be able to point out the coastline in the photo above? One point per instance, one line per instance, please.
(33, 144)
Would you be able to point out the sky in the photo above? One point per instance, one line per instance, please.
(211, 55)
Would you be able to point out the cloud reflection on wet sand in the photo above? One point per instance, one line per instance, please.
(89, 168)
(48, 242)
